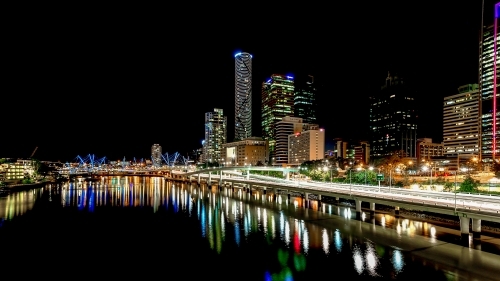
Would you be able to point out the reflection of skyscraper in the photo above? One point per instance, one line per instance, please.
(156, 155)
(242, 96)
(488, 83)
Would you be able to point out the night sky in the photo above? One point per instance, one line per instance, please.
(113, 81)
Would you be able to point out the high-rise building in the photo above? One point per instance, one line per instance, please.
(277, 102)
(393, 119)
(308, 145)
(461, 122)
(285, 127)
(215, 136)
(488, 88)
(242, 96)
(305, 105)
(156, 156)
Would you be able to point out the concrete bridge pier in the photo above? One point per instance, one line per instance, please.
(358, 209)
(199, 179)
(265, 191)
(476, 228)
(464, 230)
(396, 211)
(372, 209)
(209, 178)
(337, 200)
(307, 201)
(319, 200)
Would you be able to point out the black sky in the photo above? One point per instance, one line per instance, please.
(112, 81)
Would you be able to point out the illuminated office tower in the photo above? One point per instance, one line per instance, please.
(460, 122)
(488, 86)
(215, 136)
(242, 96)
(156, 155)
(393, 119)
(277, 102)
(305, 100)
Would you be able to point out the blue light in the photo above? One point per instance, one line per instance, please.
(290, 77)
(238, 54)
(269, 81)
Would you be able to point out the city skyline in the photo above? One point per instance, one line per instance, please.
(116, 94)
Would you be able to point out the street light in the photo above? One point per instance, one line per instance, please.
(350, 182)
(371, 169)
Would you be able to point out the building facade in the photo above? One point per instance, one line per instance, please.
(250, 151)
(305, 146)
(215, 136)
(284, 128)
(305, 104)
(393, 119)
(277, 102)
(156, 156)
(242, 96)
(427, 150)
(488, 88)
(461, 122)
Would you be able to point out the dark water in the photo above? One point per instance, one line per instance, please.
(140, 227)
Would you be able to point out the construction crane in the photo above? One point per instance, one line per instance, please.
(33, 153)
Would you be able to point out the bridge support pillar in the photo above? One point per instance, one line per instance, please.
(464, 230)
(288, 196)
(319, 200)
(476, 228)
(396, 211)
(358, 209)
(372, 209)
(199, 179)
(209, 178)
(337, 200)
(265, 190)
(248, 174)
(220, 178)
(307, 200)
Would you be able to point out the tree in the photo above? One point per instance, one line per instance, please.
(496, 169)
(469, 185)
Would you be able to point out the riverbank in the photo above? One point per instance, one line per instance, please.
(22, 186)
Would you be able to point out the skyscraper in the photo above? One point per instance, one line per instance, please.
(488, 86)
(215, 135)
(156, 155)
(242, 96)
(460, 122)
(393, 119)
(277, 102)
(305, 100)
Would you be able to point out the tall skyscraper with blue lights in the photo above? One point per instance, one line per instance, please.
(488, 88)
(242, 96)
(277, 102)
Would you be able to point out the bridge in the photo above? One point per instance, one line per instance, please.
(468, 207)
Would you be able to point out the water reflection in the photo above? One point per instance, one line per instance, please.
(294, 241)
(18, 203)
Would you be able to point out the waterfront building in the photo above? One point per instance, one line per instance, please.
(393, 119)
(305, 104)
(277, 102)
(156, 156)
(250, 151)
(461, 124)
(215, 135)
(307, 145)
(242, 95)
